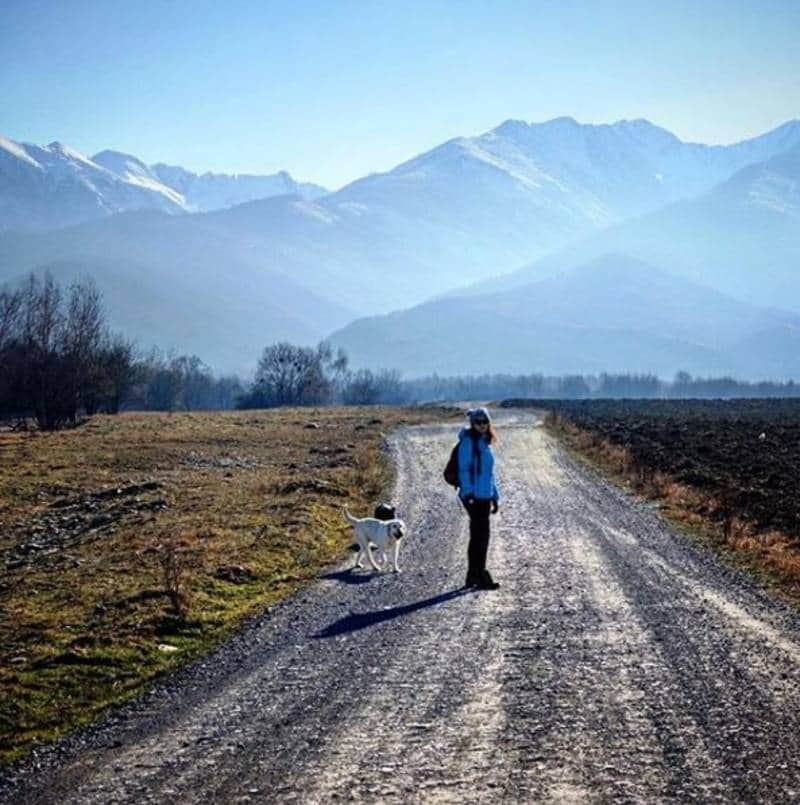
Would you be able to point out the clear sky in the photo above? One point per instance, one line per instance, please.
(335, 89)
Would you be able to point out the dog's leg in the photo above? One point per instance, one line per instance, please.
(395, 554)
(372, 559)
(360, 555)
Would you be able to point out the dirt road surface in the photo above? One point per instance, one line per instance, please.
(617, 663)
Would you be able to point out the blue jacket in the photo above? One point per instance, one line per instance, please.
(476, 472)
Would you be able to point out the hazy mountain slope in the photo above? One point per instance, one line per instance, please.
(468, 203)
(614, 314)
(171, 281)
(366, 261)
(775, 349)
(473, 205)
(743, 238)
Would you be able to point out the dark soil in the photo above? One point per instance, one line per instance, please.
(745, 453)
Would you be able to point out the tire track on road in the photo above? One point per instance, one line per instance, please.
(707, 677)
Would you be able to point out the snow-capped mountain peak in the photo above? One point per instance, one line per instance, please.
(54, 185)
(123, 164)
(17, 151)
(60, 149)
(132, 170)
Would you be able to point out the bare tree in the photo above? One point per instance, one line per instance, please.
(365, 387)
(83, 336)
(42, 336)
(43, 317)
(12, 354)
(57, 356)
(361, 388)
(291, 375)
(229, 390)
(163, 384)
(196, 382)
(118, 372)
(10, 315)
(280, 372)
(334, 367)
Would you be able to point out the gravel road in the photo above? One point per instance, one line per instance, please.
(617, 663)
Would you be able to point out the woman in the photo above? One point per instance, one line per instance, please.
(478, 492)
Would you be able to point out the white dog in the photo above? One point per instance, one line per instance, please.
(385, 535)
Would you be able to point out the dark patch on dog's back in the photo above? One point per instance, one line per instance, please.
(385, 512)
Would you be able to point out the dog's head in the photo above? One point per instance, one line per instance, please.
(397, 529)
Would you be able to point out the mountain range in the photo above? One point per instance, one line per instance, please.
(52, 186)
(480, 217)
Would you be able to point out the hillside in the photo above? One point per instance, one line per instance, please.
(614, 314)
(742, 237)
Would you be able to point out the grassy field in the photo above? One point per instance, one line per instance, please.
(135, 543)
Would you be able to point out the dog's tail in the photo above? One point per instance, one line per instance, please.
(349, 517)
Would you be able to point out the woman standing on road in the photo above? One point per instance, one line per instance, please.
(478, 492)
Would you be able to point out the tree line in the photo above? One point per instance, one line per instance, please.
(59, 360)
(602, 386)
(57, 355)
(295, 375)
(292, 375)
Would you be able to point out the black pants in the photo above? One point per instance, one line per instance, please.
(478, 535)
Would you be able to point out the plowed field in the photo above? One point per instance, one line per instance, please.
(745, 452)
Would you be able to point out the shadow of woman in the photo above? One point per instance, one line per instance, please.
(360, 620)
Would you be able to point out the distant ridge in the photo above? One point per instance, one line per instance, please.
(216, 191)
(614, 314)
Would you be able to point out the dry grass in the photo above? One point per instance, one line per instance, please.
(773, 557)
(236, 510)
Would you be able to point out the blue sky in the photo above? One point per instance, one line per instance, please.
(333, 90)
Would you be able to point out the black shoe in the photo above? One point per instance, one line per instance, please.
(486, 582)
(472, 580)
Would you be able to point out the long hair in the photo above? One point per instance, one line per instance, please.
(491, 433)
